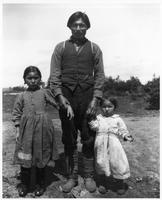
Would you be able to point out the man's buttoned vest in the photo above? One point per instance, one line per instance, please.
(77, 67)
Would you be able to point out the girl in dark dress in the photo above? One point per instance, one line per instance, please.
(35, 135)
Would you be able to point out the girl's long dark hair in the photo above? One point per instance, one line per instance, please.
(31, 69)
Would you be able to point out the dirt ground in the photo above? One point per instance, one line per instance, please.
(143, 155)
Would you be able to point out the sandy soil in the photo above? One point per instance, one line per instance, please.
(143, 156)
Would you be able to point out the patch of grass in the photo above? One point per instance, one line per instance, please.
(8, 103)
(127, 105)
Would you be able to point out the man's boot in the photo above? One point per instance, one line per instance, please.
(40, 181)
(23, 187)
(90, 184)
(73, 169)
(68, 164)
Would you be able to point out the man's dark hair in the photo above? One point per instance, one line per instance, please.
(77, 15)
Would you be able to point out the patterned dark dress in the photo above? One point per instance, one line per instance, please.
(36, 145)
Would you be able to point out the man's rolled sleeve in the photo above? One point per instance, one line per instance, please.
(17, 123)
(99, 76)
(55, 70)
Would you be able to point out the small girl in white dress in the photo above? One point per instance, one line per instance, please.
(110, 157)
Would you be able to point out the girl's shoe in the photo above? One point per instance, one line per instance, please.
(23, 187)
(39, 190)
(22, 190)
(121, 190)
(101, 183)
(121, 187)
(40, 181)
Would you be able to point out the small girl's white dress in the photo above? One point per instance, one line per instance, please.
(110, 157)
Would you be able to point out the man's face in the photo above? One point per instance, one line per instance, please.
(78, 28)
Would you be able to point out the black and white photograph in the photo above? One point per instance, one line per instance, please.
(80, 99)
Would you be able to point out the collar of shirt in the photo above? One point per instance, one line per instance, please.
(78, 41)
(33, 89)
(113, 116)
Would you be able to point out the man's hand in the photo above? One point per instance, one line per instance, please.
(17, 132)
(70, 113)
(62, 101)
(92, 108)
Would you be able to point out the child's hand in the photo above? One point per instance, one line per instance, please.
(93, 125)
(51, 163)
(17, 133)
(128, 138)
(70, 113)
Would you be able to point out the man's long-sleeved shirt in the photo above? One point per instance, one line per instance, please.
(83, 67)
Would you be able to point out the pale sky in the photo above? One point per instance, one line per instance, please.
(127, 33)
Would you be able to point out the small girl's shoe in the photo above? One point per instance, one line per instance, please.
(122, 190)
(101, 182)
(121, 187)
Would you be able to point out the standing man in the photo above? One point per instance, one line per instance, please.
(77, 78)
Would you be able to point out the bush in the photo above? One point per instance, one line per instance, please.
(152, 89)
(119, 87)
(133, 84)
(18, 89)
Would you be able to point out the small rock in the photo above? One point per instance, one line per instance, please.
(76, 191)
(138, 179)
(83, 193)
(130, 187)
(60, 188)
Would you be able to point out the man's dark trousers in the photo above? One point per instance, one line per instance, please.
(79, 100)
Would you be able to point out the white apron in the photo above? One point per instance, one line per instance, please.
(110, 157)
